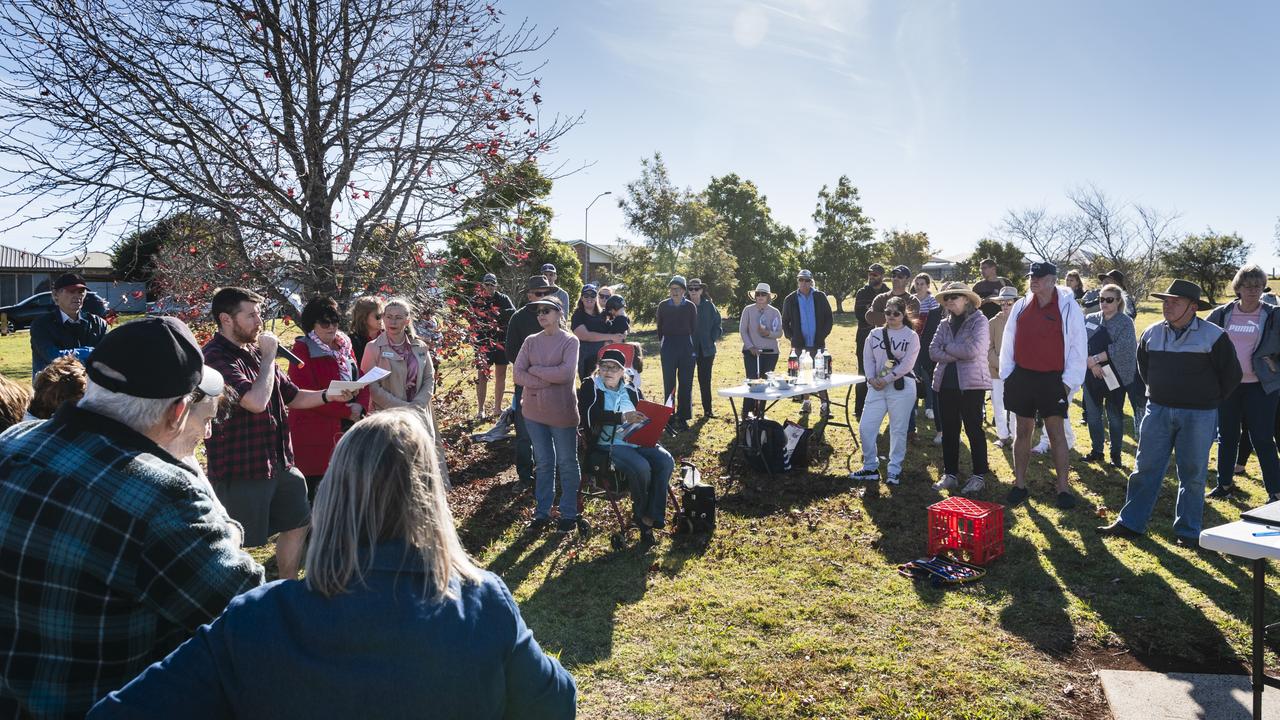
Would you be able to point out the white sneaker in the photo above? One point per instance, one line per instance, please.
(865, 474)
(928, 412)
(1041, 449)
(948, 482)
(975, 484)
(826, 409)
(1003, 443)
(806, 406)
(937, 439)
(892, 480)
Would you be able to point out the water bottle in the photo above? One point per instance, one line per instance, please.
(820, 366)
(806, 368)
(793, 364)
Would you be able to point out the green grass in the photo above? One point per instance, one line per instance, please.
(793, 608)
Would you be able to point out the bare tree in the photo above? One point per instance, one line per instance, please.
(300, 126)
(1055, 238)
(1155, 231)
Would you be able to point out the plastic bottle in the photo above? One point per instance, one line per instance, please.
(820, 366)
(806, 368)
(793, 364)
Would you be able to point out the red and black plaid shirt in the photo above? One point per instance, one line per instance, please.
(248, 446)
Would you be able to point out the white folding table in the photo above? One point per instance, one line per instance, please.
(1240, 539)
(771, 395)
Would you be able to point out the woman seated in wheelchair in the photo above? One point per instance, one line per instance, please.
(606, 402)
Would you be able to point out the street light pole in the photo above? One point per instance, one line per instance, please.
(586, 214)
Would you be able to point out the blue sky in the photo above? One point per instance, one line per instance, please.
(944, 114)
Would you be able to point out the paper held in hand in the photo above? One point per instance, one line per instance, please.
(374, 375)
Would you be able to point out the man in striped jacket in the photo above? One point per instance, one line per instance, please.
(1190, 367)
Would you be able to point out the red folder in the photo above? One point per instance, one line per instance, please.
(647, 435)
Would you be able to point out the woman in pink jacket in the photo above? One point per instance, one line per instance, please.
(961, 379)
(547, 369)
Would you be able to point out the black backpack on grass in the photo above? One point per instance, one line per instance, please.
(697, 503)
(766, 445)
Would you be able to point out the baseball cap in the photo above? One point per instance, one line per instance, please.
(489, 279)
(902, 271)
(614, 355)
(69, 280)
(804, 275)
(876, 268)
(1040, 269)
(548, 268)
(615, 302)
(153, 358)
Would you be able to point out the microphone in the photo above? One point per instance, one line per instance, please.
(283, 352)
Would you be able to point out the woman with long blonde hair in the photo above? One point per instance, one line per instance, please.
(393, 619)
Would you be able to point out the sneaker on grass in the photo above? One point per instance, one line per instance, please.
(975, 485)
(948, 482)
(937, 439)
(865, 475)
(1016, 496)
(893, 480)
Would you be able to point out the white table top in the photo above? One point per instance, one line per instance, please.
(836, 380)
(1237, 539)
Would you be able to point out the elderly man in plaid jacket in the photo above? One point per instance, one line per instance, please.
(113, 550)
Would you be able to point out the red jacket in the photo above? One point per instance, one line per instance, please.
(315, 431)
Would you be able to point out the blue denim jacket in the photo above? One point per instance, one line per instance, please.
(282, 651)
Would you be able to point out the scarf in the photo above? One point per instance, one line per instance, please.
(344, 354)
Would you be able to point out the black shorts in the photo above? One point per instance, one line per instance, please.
(1028, 393)
(497, 356)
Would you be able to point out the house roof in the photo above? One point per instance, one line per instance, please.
(613, 250)
(15, 259)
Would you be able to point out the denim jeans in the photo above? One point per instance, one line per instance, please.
(524, 447)
(1186, 435)
(648, 472)
(555, 448)
(1113, 402)
(1258, 409)
(1137, 391)
(897, 404)
(678, 364)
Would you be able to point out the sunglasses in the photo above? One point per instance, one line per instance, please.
(546, 311)
(588, 294)
(1109, 300)
(327, 322)
(542, 294)
(892, 313)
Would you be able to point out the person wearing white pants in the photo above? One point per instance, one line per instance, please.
(1007, 296)
(888, 359)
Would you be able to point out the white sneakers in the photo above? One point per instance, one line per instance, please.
(948, 482)
(975, 484)
(865, 475)
(928, 412)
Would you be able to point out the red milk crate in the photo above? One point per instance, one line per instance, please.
(971, 529)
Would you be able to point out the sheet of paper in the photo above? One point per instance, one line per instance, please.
(374, 375)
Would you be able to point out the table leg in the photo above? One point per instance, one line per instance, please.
(1259, 630)
(737, 435)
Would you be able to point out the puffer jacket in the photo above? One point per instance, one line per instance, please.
(967, 348)
(1268, 344)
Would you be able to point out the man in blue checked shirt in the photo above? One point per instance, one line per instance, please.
(113, 550)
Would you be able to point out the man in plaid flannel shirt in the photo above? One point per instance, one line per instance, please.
(250, 454)
(113, 552)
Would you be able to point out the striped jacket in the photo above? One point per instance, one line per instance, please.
(111, 554)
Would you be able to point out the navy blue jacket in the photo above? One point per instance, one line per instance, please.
(50, 336)
(1194, 370)
(282, 651)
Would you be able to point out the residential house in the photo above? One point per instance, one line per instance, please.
(24, 273)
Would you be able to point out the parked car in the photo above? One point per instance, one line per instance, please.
(21, 314)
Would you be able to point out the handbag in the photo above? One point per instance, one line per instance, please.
(900, 383)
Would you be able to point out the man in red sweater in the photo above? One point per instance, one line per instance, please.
(1041, 362)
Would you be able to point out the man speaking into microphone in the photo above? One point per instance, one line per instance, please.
(250, 455)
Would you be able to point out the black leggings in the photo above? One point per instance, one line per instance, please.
(704, 363)
(965, 406)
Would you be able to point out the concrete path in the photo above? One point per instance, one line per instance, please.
(1136, 695)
